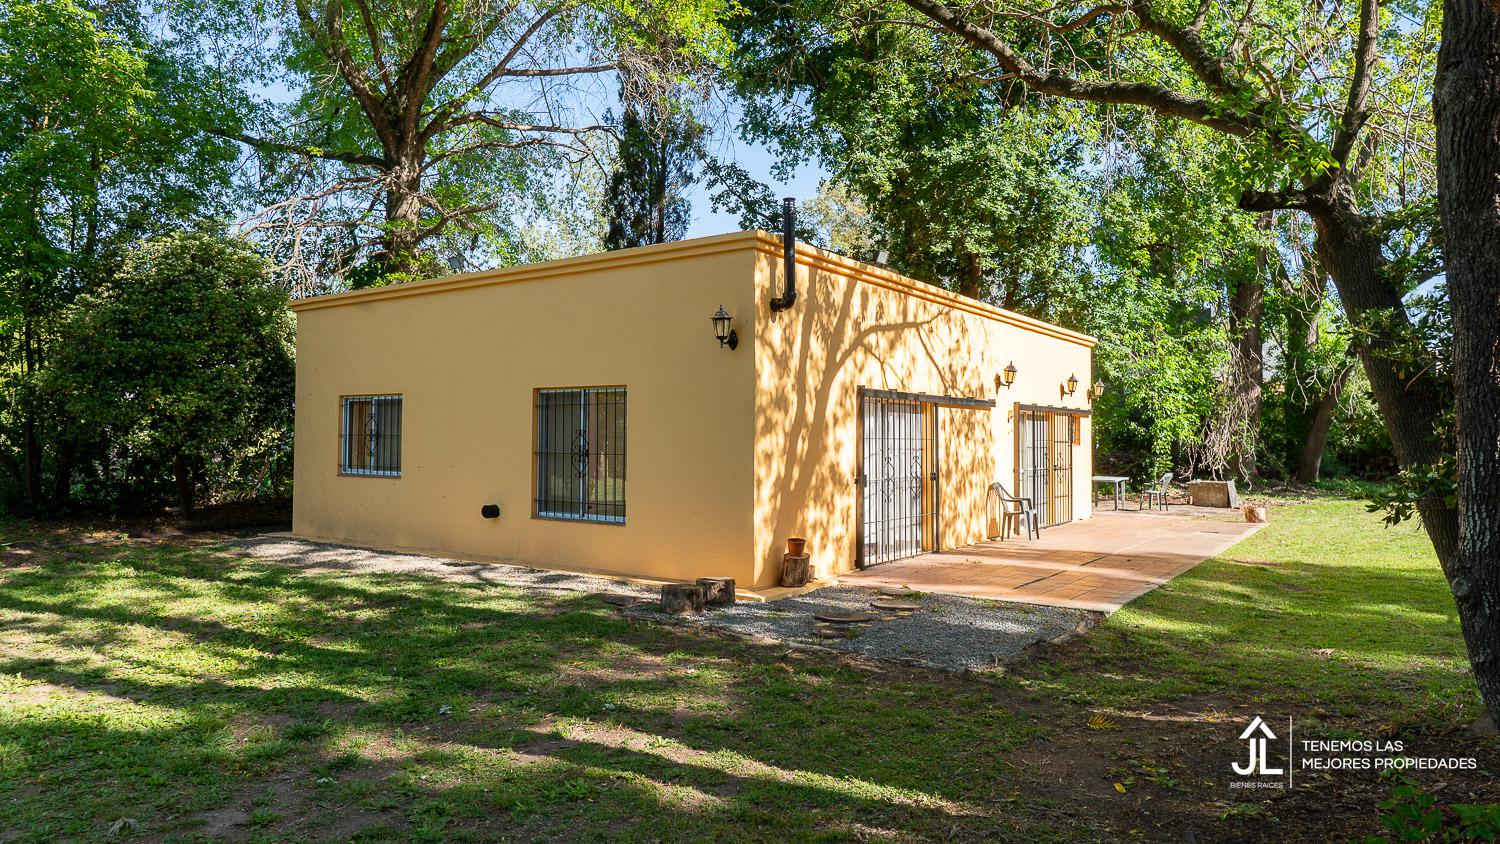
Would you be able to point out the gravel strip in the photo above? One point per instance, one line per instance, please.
(951, 633)
(324, 558)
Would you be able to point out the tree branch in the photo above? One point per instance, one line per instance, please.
(329, 36)
(1155, 97)
(416, 78)
(376, 52)
(1294, 198)
(561, 71)
(1211, 69)
(1355, 113)
(358, 158)
(439, 121)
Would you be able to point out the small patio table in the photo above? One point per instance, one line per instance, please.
(1119, 485)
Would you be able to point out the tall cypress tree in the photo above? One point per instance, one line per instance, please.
(646, 199)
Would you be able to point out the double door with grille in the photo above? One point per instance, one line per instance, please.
(1044, 463)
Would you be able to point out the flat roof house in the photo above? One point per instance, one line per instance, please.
(591, 403)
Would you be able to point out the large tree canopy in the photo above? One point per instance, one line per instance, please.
(99, 145)
(417, 127)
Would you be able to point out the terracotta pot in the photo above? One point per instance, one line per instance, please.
(796, 546)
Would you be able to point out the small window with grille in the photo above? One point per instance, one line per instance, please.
(371, 436)
(580, 454)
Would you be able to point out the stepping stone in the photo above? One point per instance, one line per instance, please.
(895, 605)
(833, 617)
(834, 631)
(897, 591)
(620, 600)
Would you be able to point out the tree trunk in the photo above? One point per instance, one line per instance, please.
(1349, 248)
(182, 474)
(403, 218)
(1300, 408)
(1466, 101)
(62, 473)
(972, 283)
(1322, 423)
(1246, 307)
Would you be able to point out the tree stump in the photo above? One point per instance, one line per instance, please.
(682, 598)
(796, 569)
(717, 591)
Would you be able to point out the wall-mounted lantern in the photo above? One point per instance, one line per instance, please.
(1010, 373)
(726, 335)
(1098, 389)
(1070, 387)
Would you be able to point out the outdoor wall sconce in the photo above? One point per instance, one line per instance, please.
(1098, 389)
(726, 335)
(1010, 375)
(1069, 388)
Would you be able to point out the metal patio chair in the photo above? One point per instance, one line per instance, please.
(1157, 497)
(1014, 511)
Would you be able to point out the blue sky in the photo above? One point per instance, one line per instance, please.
(757, 160)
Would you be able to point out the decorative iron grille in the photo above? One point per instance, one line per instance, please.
(370, 436)
(580, 454)
(898, 476)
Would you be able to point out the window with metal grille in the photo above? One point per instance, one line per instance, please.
(580, 454)
(370, 437)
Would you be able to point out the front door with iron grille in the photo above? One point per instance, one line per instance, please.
(898, 479)
(1035, 468)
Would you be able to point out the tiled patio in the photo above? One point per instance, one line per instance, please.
(1100, 563)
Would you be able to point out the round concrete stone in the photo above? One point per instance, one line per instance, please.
(895, 605)
(843, 617)
(834, 631)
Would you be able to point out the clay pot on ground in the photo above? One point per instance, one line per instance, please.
(796, 546)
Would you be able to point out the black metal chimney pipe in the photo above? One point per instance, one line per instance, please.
(788, 295)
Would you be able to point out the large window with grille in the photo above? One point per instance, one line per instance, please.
(580, 454)
(370, 437)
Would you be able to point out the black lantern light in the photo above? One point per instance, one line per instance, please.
(1010, 373)
(1072, 384)
(1098, 388)
(726, 335)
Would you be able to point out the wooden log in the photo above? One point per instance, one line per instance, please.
(717, 591)
(681, 598)
(796, 569)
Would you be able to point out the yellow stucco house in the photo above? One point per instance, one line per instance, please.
(584, 414)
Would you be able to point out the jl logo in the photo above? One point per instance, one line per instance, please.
(1259, 735)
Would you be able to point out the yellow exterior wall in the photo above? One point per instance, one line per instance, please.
(466, 354)
(728, 452)
(860, 326)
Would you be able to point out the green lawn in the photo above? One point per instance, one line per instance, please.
(179, 692)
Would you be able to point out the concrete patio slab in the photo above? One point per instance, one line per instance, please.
(1101, 563)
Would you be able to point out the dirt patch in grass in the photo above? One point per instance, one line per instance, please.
(1163, 773)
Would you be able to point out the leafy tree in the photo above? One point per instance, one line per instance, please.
(1303, 96)
(184, 361)
(418, 125)
(1328, 111)
(963, 186)
(98, 146)
(645, 201)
